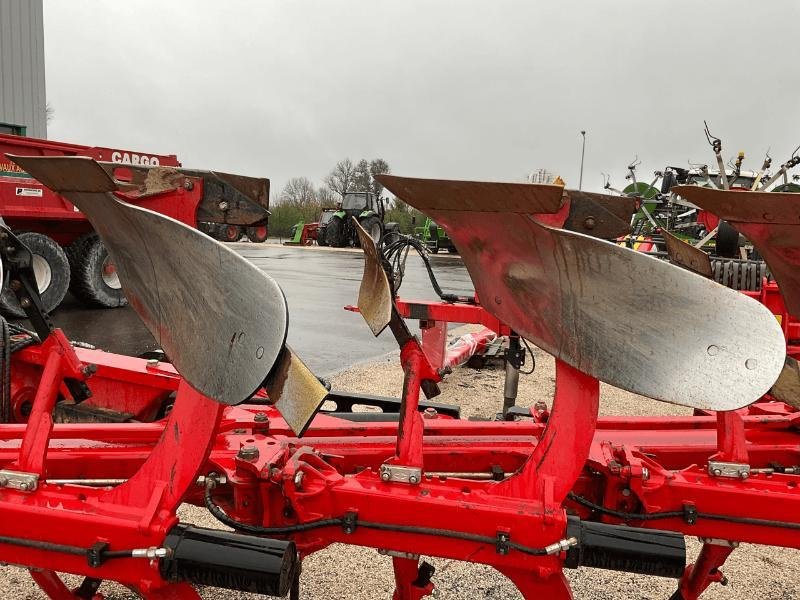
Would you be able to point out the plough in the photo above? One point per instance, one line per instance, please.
(233, 421)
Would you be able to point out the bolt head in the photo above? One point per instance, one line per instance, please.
(717, 472)
(260, 417)
(298, 480)
(25, 302)
(152, 362)
(3, 481)
(385, 476)
(249, 453)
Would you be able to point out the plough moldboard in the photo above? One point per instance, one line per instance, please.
(98, 450)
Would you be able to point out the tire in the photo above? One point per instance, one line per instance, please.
(335, 233)
(230, 233)
(321, 239)
(94, 278)
(206, 227)
(727, 241)
(257, 234)
(373, 226)
(51, 267)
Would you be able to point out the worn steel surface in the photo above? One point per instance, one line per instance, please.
(600, 215)
(374, 293)
(481, 196)
(787, 388)
(628, 319)
(686, 255)
(232, 199)
(770, 220)
(221, 320)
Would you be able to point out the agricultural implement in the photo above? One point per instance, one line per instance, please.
(67, 252)
(233, 422)
(434, 237)
(662, 209)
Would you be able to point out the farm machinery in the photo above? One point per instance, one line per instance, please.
(664, 216)
(364, 208)
(434, 237)
(68, 254)
(98, 450)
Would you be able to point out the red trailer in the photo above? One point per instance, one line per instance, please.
(68, 253)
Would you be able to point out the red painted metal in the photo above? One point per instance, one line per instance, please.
(634, 465)
(37, 208)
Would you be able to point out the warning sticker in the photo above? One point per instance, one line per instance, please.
(25, 191)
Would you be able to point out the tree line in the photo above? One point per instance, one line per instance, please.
(301, 200)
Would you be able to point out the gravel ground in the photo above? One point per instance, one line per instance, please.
(345, 572)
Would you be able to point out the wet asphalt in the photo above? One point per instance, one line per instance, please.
(317, 282)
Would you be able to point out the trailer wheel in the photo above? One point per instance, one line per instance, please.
(257, 234)
(231, 233)
(335, 233)
(321, 236)
(51, 268)
(94, 276)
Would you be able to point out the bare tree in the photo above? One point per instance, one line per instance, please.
(325, 196)
(340, 180)
(49, 112)
(377, 167)
(361, 177)
(298, 191)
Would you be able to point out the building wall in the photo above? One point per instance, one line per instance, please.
(22, 92)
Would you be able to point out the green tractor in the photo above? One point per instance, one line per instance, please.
(367, 208)
(434, 237)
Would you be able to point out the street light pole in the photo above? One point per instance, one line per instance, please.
(583, 153)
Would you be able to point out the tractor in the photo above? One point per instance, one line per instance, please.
(434, 237)
(367, 209)
(324, 218)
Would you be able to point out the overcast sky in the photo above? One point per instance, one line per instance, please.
(470, 90)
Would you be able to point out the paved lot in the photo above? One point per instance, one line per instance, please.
(317, 282)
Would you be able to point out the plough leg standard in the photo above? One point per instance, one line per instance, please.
(530, 497)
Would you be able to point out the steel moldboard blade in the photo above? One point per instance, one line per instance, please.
(221, 320)
(628, 319)
(770, 220)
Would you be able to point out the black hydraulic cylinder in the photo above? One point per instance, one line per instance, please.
(628, 549)
(229, 560)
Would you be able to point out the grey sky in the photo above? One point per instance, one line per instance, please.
(462, 89)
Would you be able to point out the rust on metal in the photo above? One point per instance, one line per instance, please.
(770, 220)
(787, 388)
(687, 256)
(84, 174)
(600, 215)
(295, 391)
(780, 208)
(374, 294)
(481, 196)
(145, 181)
(628, 319)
